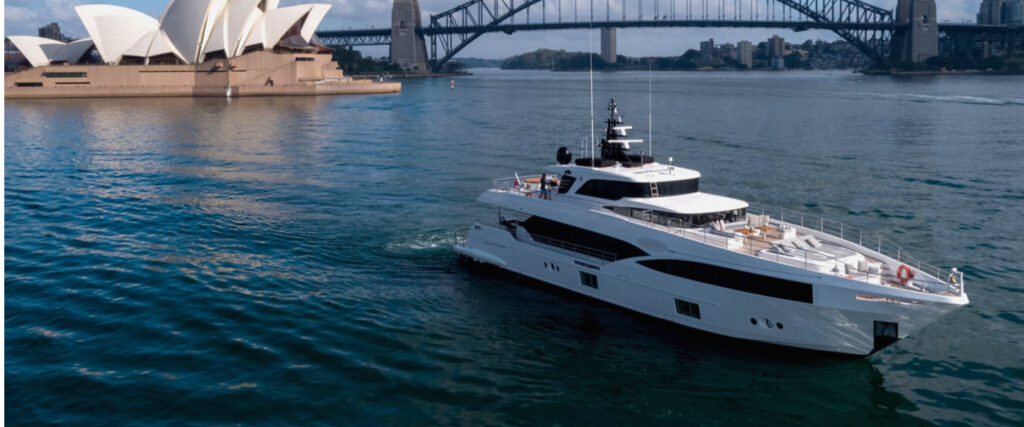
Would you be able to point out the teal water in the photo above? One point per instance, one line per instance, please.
(288, 260)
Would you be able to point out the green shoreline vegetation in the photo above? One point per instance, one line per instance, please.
(816, 55)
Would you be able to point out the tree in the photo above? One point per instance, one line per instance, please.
(992, 63)
(793, 61)
(352, 62)
(939, 62)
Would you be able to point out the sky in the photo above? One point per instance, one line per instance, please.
(24, 17)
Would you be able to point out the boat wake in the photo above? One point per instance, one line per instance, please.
(956, 99)
(438, 239)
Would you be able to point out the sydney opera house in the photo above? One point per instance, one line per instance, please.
(196, 48)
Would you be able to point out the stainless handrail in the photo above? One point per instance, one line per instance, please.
(701, 234)
(882, 245)
(507, 184)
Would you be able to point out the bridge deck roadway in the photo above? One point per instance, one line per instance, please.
(795, 25)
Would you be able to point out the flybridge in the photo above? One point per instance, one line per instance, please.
(615, 146)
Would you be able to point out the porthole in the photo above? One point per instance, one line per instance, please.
(779, 325)
(753, 321)
(769, 323)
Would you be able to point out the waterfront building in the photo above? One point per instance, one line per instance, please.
(608, 45)
(52, 31)
(992, 12)
(745, 53)
(727, 49)
(776, 47)
(707, 48)
(197, 47)
(1015, 12)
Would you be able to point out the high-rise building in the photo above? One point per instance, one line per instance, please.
(745, 53)
(776, 47)
(991, 12)
(707, 48)
(51, 31)
(608, 45)
(1014, 12)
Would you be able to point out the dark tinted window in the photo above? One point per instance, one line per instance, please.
(565, 184)
(675, 188)
(579, 240)
(588, 280)
(734, 279)
(64, 74)
(687, 308)
(615, 190)
(679, 220)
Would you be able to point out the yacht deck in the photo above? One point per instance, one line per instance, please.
(811, 243)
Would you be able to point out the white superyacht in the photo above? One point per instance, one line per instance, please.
(624, 229)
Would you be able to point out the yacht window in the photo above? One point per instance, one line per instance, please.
(734, 279)
(615, 190)
(566, 183)
(580, 240)
(687, 308)
(675, 188)
(679, 220)
(588, 280)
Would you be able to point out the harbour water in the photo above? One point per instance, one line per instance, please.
(288, 260)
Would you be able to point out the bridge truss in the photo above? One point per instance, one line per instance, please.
(867, 27)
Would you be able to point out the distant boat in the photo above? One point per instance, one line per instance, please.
(625, 229)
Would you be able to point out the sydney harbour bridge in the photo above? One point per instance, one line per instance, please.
(911, 32)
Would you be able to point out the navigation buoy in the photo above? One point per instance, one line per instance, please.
(452, 84)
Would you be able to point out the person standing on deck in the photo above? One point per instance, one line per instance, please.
(544, 186)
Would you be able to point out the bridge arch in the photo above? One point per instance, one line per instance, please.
(867, 27)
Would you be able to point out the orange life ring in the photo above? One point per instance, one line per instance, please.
(904, 273)
(529, 194)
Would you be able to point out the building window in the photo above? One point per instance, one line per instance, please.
(587, 279)
(303, 58)
(688, 308)
(64, 74)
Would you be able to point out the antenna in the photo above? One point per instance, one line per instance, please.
(650, 111)
(590, 55)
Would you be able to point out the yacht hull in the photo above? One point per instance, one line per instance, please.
(840, 317)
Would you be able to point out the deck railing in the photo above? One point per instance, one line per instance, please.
(868, 239)
(721, 239)
(940, 280)
(508, 184)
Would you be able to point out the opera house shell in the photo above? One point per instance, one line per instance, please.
(197, 47)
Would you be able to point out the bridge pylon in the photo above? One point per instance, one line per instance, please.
(408, 49)
(919, 40)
